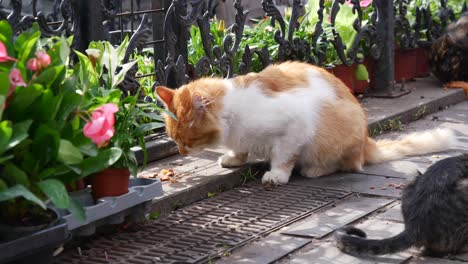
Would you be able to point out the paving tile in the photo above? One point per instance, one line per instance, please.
(323, 223)
(427, 260)
(375, 228)
(392, 214)
(266, 250)
(452, 115)
(361, 183)
(400, 168)
(380, 228)
(328, 253)
(462, 257)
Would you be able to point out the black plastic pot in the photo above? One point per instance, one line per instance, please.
(37, 247)
(8, 232)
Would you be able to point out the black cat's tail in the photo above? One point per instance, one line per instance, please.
(353, 241)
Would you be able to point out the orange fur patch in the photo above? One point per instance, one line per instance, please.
(458, 85)
(291, 75)
(194, 129)
(340, 140)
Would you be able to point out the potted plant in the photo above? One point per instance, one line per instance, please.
(113, 120)
(37, 149)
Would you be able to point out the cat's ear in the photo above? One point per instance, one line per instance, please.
(199, 103)
(166, 94)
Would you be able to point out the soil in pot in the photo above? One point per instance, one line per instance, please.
(405, 65)
(110, 182)
(13, 226)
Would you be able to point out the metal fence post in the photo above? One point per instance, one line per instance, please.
(384, 73)
(384, 66)
(91, 28)
(159, 49)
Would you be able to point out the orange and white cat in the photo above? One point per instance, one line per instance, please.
(291, 114)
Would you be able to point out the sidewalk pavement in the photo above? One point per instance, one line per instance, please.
(375, 207)
(288, 224)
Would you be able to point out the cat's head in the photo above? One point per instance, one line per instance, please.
(197, 125)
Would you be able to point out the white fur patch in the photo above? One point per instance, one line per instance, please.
(254, 122)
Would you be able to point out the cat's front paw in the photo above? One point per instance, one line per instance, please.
(230, 161)
(275, 177)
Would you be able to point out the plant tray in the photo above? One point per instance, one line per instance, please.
(35, 248)
(113, 210)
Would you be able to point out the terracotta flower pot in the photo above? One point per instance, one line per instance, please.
(345, 74)
(110, 182)
(422, 62)
(363, 86)
(405, 65)
(76, 186)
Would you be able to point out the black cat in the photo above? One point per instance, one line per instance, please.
(448, 56)
(435, 213)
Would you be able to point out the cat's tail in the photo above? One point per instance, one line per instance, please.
(418, 143)
(353, 241)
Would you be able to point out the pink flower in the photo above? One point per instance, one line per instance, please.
(363, 3)
(43, 59)
(16, 79)
(100, 129)
(32, 64)
(4, 55)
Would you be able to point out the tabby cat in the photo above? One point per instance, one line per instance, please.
(290, 113)
(435, 212)
(448, 56)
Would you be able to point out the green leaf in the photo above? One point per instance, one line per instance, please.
(46, 144)
(132, 163)
(68, 153)
(105, 159)
(64, 50)
(48, 106)
(19, 191)
(4, 83)
(120, 51)
(15, 175)
(56, 191)
(361, 73)
(6, 30)
(89, 149)
(49, 172)
(141, 129)
(153, 116)
(77, 210)
(28, 46)
(6, 158)
(87, 74)
(6, 132)
(3, 185)
(20, 133)
(121, 75)
(23, 99)
(50, 75)
(70, 102)
(2, 101)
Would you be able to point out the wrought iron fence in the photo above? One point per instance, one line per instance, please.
(164, 26)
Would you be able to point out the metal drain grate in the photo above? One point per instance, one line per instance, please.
(207, 228)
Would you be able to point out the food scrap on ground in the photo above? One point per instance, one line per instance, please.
(167, 174)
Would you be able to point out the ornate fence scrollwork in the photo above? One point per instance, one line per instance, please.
(63, 10)
(231, 57)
